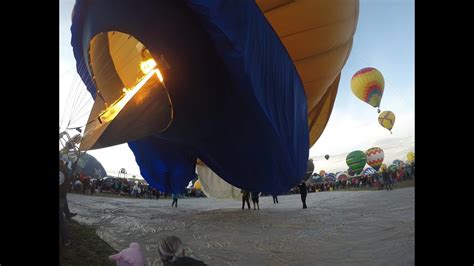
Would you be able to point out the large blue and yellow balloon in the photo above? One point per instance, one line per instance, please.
(267, 63)
(367, 84)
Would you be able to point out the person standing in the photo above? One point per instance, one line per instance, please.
(175, 200)
(245, 198)
(303, 192)
(275, 198)
(386, 180)
(255, 199)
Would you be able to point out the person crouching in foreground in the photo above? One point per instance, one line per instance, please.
(172, 252)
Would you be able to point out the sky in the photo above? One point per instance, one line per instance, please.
(384, 39)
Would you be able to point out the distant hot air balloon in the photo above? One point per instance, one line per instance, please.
(341, 176)
(356, 161)
(398, 163)
(367, 84)
(197, 185)
(411, 156)
(331, 177)
(326, 156)
(383, 167)
(369, 171)
(309, 169)
(350, 172)
(387, 120)
(322, 173)
(375, 157)
(393, 168)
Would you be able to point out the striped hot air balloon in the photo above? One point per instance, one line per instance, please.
(375, 157)
(367, 84)
(356, 161)
(369, 171)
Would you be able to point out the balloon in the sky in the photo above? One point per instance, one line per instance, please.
(411, 156)
(387, 120)
(375, 157)
(368, 84)
(356, 161)
(326, 156)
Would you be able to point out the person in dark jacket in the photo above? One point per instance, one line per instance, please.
(386, 179)
(303, 192)
(255, 199)
(275, 198)
(245, 198)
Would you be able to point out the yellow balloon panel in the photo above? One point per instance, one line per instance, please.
(318, 117)
(318, 36)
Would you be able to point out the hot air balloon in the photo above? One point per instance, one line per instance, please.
(350, 172)
(331, 177)
(236, 70)
(197, 185)
(322, 173)
(367, 84)
(398, 163)
(341, 176)
(356, 161)
(410, 156)
(387, 120)
(375, 157)
(383, 167)
(393, 167)
(326, 156)
(315, 179)
(369, 171)
(309, 169)
(90, 166)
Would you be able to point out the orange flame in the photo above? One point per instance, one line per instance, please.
(148, 68)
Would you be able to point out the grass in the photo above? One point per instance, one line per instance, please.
(86, 247)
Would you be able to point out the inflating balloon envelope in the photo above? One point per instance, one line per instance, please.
(247, 87)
